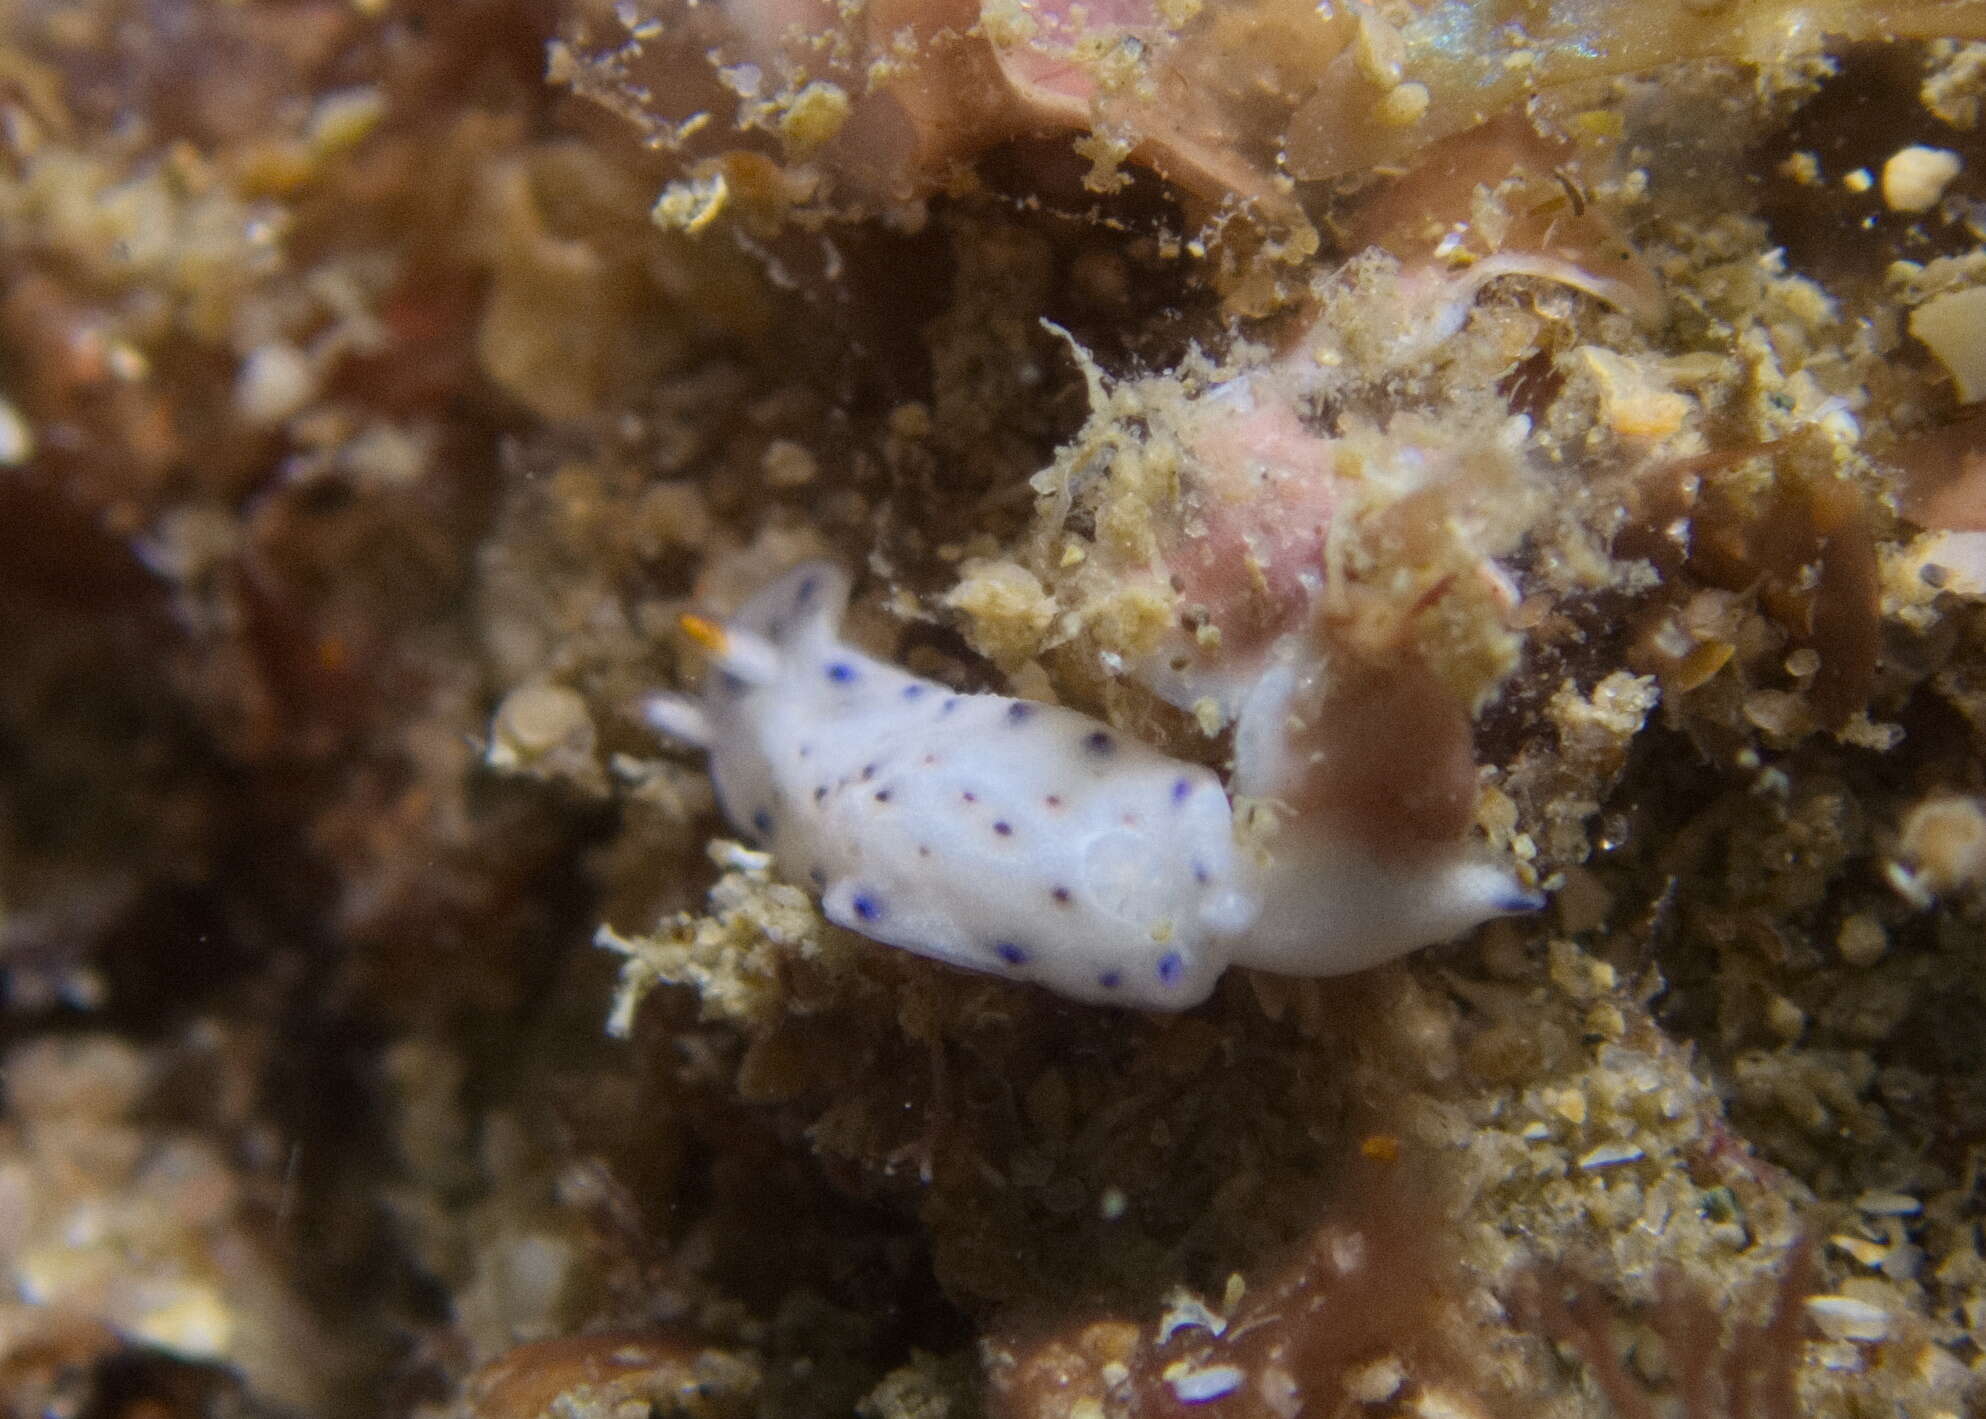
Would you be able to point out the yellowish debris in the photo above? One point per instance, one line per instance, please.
(16, 437)
(1915, 178)
(1633, 401)
(1941, 847)
(1954, 326)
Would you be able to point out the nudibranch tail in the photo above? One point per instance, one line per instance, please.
(1473, 889)
(1330, 907)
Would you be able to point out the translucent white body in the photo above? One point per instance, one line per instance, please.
(1014, 837)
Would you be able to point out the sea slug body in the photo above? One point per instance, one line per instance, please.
(998, 834)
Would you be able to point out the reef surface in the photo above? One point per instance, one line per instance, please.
(1578, 400)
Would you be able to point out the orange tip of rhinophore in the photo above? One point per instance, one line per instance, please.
(707, 634)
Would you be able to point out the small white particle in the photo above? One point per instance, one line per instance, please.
(16, 438)
(744, 80)
(276, 381)
(1198, 1386)
(1184, 1310)
(1436, 1403)
(1868, 1253)
(1347, 1252)
(126, 361)
(1231, 1294)
(342, 119)
(1915, 178)
(736, 857)
(1376, 1382)
(1845, 1318)
(1608, 1155)
(1280, 1391)
(787, 464)
(1888, 1204)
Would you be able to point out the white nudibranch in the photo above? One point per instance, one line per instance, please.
(1019, 838)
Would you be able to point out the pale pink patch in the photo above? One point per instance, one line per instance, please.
(1941, 482)
(1249, 552)
(1042, 63)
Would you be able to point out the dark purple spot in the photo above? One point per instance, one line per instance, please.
(929, 760)
(1181, 789)
(817, 877)
(949, 705)
(923, 849)
(1054, 800)
(1061, 896)
(1019, 713)
(969, 796)
(882, 795)
(1110, 980)
(1099, 742)
(1010, 953)
(805, 592)
(1170, 968)
(913, 692)
(1004, 829)
(868, 908)
(840, 672)
(868, 772)
(1200, 874)
(762, 823)
(820, 793)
